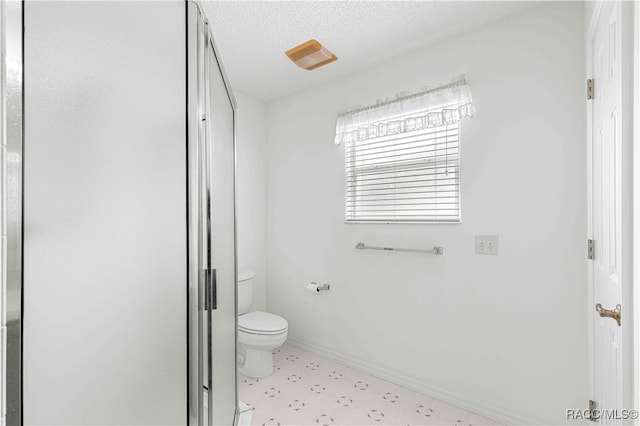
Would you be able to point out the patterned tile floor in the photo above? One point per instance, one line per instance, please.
(306, 389)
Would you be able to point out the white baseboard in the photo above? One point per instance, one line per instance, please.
(498, 414)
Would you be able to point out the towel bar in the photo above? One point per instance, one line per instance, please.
(436, 250)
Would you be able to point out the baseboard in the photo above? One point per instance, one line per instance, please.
(498, 414)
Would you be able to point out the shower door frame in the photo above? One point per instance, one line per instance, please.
(11, 128)
(199, 136)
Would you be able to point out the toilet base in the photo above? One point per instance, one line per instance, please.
(258, 352)
(258, 363)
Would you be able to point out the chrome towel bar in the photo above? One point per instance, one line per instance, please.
(435, 250)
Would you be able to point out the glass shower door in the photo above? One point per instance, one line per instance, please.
(222, 390)
(110, 186)
(213, 389)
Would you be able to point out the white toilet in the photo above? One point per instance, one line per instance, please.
(259, 333)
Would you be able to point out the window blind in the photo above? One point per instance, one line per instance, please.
(412, 177)
(402, 155)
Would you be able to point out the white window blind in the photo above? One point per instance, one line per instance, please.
(402, 163)
(413, 178)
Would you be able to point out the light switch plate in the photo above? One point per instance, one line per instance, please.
(487, 244)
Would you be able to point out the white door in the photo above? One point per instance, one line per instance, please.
(607, 212)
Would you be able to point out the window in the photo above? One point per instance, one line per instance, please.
(402, 157)
(404, 179)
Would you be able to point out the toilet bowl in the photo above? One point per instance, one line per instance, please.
(259, 333)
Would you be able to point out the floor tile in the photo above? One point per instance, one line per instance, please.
(308, 390)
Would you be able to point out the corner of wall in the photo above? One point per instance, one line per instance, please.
(251, 194)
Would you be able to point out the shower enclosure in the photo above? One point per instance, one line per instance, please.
(118, 131)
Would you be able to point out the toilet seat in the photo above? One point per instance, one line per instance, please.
(259, 322)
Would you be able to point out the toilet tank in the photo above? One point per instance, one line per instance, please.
(245, 290)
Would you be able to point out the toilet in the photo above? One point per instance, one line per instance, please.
(259, 333)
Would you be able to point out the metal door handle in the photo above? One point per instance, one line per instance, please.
(213, 284)
(210, 289)
(609, 313)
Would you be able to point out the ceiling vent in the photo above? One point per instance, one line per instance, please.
(310, 55)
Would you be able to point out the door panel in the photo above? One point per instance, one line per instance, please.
(607, 207)
(104, 214)
(213, 393)
(224, 317)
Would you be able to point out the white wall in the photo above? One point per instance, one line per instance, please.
(504, 336)
(251, 151)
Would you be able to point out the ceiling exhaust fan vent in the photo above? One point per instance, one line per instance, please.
(310, 55)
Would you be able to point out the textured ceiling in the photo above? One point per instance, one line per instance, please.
(252, 36)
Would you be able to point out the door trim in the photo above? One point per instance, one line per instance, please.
(628, 222)
(589, 122)
(636, 205)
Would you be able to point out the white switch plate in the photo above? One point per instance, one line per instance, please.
(487, 244)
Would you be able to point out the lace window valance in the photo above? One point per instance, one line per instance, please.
(433, 106)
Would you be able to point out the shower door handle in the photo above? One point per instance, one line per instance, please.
(210, 289)
(213, 289)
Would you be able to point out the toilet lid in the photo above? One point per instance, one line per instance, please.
(262, 322)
